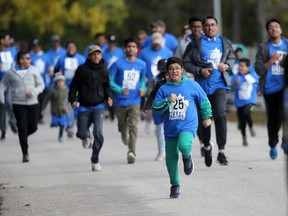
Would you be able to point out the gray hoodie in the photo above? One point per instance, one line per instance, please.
(31, 81)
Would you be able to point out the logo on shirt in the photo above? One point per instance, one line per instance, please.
(177, 110)
(214, 57)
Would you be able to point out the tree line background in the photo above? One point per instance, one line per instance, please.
(78, 20)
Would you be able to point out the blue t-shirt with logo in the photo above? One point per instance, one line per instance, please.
(110, 56)
(246, 90)
(41, 62)
(181, 115)
(212, 50)
(131, 75)
(275, 75)
(151, 57)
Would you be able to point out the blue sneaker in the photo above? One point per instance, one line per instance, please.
(273, 153)
(175, 191)
(188, 165)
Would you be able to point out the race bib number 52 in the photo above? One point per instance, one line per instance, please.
(131, 78)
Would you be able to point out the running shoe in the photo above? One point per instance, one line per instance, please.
(273, 153)
(188, 165)
(221, 158)
(175, 191)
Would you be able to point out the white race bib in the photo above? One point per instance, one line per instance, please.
(131, 78)
(70, 65)
(276, 68)
(177, 110)
(6, 59)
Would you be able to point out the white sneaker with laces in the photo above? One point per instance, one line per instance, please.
(96, 167)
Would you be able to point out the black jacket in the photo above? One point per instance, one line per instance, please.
(90, 84)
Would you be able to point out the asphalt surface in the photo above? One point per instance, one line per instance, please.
(58, 179)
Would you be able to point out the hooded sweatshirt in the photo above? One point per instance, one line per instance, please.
(181, 115)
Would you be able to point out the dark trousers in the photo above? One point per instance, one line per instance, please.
(84, 121)
(41, 97)
(26, 117)
(218, 104)
(274, 115)
(244, 117)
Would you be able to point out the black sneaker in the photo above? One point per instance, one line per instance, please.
(221, 158)
(208, 157)
(188, 165)
(245, 142)
(175, 191)
(25, 158)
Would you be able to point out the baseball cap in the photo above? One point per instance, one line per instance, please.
(94, 48)
(157, 38)
(157, 23)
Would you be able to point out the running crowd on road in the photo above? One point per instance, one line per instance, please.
(181, 85)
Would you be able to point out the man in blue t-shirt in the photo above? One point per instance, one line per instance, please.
(127, 80)
(209, 58)
(67, 65)
(268, 65)
(7, 59)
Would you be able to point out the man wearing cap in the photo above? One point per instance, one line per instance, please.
(127, 80)
(153, 53)
(169, 40)
(113, 52)
(91, 85)
(42, 63)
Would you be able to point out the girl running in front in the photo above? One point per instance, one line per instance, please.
(177, 101)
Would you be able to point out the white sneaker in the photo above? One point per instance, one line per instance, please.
(96, 167)
(160, 156)
(61, 139)
(130, 157)
(86, 143)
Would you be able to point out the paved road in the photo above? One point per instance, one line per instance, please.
(59, 180)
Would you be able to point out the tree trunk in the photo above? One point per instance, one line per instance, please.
(261, 20)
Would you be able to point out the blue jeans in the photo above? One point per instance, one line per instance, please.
(84, 121)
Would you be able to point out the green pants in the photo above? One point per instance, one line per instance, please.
(183, 143)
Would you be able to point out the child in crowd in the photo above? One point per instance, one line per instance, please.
(57, 94)
(177, 100)
(245, 89)
(154, 85)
